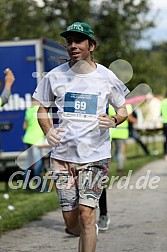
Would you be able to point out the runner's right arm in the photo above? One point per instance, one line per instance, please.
(52, 134)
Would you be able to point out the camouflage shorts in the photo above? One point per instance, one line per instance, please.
(80, 184)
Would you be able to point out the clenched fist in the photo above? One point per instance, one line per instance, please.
(106, 122)
(53, 136)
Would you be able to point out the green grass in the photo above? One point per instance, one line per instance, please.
(133, 164)
(30, 205)
(136, 158)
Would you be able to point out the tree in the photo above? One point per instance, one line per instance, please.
(119, 25)
(26, 19)
(22, 19)
(149, 67)
(158, 61)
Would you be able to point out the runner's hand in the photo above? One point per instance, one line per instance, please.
(105, 122)
(53, 136)
(9, 79)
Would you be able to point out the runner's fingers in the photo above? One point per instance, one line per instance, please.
(104, 123)
(53, 139)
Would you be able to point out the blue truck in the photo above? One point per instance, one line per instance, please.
(29, 60)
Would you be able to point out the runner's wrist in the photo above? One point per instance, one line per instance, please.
(115, 120)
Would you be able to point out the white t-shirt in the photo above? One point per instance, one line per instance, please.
(80, 99)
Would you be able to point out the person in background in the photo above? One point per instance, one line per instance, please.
(32, 138)
(117, 138)
(164, 121)
(9, 80)
(132, 118)
(104, 220)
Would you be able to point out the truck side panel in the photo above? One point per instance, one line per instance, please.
(29, 60)
(54, 54)
(14, 57)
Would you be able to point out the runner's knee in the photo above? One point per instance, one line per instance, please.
(87, 216)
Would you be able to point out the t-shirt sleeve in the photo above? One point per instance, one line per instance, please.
(118, 84)
(118, 91)
(4, 97)
(116, 99)
(43, 92)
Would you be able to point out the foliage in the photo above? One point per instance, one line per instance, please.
(26, 19)
(150, 67)
(118, 25)
(20, 19)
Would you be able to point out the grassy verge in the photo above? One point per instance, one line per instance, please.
(133, 164)
(30, 205)
(136, 158)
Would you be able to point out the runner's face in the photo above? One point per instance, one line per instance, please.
(78, 47)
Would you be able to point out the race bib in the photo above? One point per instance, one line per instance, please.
(80, 104)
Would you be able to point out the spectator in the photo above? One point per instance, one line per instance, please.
(33, 135)
(164, 121)
(132, 118)
(117, 137)
(9, 80)
(104, 220)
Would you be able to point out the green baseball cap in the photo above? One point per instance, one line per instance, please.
(79, 27)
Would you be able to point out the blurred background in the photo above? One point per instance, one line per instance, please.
(133, 30)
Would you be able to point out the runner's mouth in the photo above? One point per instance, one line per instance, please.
(75, 53)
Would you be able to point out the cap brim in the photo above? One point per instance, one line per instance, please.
(65, 34)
